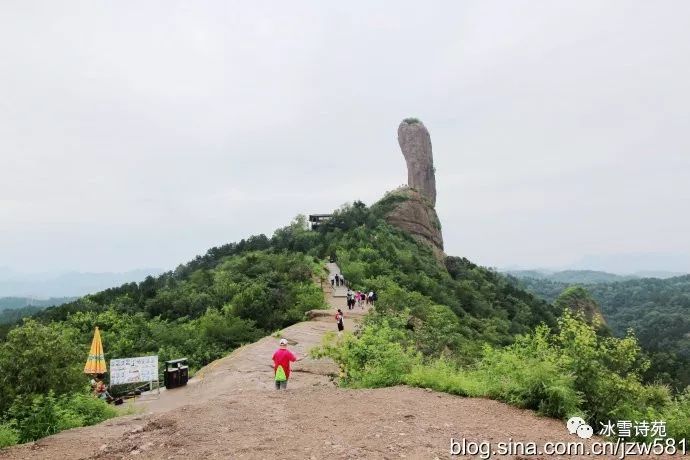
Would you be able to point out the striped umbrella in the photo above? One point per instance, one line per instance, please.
(95, 364)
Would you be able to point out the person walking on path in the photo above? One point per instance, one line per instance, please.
(281, 364)
(339, 319)
(337, 280)
(350, 299)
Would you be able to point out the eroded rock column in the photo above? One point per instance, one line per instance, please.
(415, 144)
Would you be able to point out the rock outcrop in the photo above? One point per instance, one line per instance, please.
(415, 144)
(414, 214)
(580, 302)
(413, 208)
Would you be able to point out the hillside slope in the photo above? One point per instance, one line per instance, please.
(455, 327)
(657, 310)
(230, 410)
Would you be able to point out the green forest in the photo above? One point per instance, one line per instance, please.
(657, 310)
(446, 324)
(204, 309)
(13, 309)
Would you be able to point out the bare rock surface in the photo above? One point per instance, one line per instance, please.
(415, 143)
(414, 207)
(416, 216)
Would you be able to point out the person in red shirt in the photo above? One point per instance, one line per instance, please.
(339, 320)
(281, 364)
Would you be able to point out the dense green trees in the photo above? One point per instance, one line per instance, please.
(570, 370)
(470, 328)
(658, 310)
(454, 328)
(238, 292)
(13, 315)
(38, 358)
(484, 305)
(578, 300)
(200, 313)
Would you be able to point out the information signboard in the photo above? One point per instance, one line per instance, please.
(134, 370)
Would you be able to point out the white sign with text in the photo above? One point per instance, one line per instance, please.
(134, 370)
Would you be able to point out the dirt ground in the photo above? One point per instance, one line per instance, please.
(230, 410)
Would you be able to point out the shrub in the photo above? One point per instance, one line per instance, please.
(375, 358)
(8, 435)
(36, 416)
(411, 120)
(573, 371)
(85, 409)
(443, 375)
(38, 358)
(677, 416)
(525, 376)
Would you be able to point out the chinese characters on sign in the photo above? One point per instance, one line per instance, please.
(134, 370)
(627, 428)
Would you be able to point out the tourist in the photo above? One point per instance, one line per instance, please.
(370, 298)
(339, 319)
(337, 280)
(281, 364)
(100, 389)
(350, 299)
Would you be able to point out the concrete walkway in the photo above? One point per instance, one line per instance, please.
(338, 291)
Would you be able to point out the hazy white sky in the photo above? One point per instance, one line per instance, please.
(141, 133)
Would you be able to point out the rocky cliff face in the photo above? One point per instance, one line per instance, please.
(412, 208)
(415, 144)
(414, 214)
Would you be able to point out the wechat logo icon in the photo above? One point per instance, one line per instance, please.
(577, 425)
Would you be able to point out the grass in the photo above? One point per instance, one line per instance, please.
(129, 408)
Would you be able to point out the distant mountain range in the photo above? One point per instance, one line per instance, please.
(657, 310)
(69, 284)
(21, 302)
(588, 276)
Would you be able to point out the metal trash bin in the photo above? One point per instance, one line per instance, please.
(176, 373)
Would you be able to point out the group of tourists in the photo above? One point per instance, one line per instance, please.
(337, 280)
(283, 357)
(360, 299)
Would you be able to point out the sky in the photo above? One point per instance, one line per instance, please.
(140, 133)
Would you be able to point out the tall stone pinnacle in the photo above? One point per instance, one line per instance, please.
(413, 208)
(415, 144)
